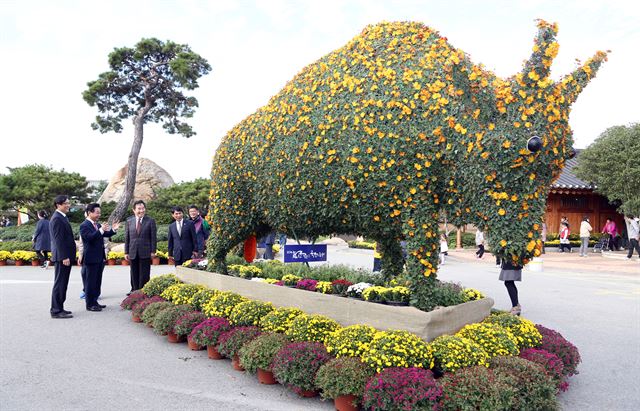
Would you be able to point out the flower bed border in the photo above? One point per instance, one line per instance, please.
(348, 311)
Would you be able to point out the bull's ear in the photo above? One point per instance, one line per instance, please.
(545, 48)
(570, 86)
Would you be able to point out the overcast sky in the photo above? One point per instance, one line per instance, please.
(51, 49)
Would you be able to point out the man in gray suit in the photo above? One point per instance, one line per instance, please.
(140, 245)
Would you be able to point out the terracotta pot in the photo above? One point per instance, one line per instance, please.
(345, 403)
(266, 377)
(124, 262)
(308, 393)
(19, 263)
(135, 318)
(236, 363)
(111, 261)
(213, 353)
(150, 325)
(35, 263)
(193, 346)
(174, 338)
(3, 263)
(171, 261)
(155, 261)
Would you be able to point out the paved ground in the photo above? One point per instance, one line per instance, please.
(104, 361)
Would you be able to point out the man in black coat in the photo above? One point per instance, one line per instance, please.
(140, 244)
(183, 244)
(93, 257)
(42, 239)
(63, 255)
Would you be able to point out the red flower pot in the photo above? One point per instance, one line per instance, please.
(174, 338)
(19, 263)
(236, 363)
(155, 261)
(111, 261)
(266, 377)
(308, 393)
(212, 352)
(193, 346)
(35, 263)
(135, 318)
(345, 403)
(3, 263)
(124, 262)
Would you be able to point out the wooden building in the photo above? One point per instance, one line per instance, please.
(571, 197)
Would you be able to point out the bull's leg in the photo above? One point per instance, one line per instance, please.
(221, 242)
(392, 261)
(421, 232)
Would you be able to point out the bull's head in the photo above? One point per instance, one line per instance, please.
(521, 148)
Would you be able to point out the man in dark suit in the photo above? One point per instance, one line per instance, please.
(183, 244)
(140, 245)
(63, 255)
(93, 257)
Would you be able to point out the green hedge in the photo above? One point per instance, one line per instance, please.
(16, 246)
(25, 233)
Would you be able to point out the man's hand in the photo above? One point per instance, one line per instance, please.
(126, 257)
(116, 225)
(66, 262)
(80, 260)
(105, 227)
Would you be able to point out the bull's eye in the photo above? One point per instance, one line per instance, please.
(534, 144)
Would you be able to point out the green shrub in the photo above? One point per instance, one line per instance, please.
(535, 390)
(166, 319)
(475, 388)
(259, 352)
(343, 376)
(362, 244)
(14, 245)
(150, 312)
(249, 312)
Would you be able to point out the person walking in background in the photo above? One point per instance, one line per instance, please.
(611, 231)
(480, 243)
(564, 238)
(585, 233)
(633, 231)
(444, 248)
(183, 244)
(140, 244)
(202, 228)
(92, 235)
(42, 239)
(377, 258)
(510, 273)
(543, 235)
(63, 255)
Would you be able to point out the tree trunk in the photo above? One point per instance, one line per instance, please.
(132, 169)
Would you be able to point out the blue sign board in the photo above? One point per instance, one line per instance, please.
(305, 253)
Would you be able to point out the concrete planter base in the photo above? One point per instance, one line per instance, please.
(348, 311)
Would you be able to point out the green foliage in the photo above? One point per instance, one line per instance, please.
(184, 194)
(343, 376)
(362, 244)
(611, 163)
(259, 352)
(381, 135)
(534, 389)
(33, 187)
(15, 245)
(165, 320)
(150, 75)
(202, 297)
(150, 312)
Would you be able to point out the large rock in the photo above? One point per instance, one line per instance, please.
(150, 177)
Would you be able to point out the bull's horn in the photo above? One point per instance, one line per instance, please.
(572, 84)
(545, 48)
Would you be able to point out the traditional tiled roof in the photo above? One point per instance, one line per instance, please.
(569, 180)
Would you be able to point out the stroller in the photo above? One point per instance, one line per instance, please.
(602, 244)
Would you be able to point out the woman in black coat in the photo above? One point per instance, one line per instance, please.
(42, 239)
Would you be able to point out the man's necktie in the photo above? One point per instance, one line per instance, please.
(179, 228)
(95, 225)
(138, 225)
